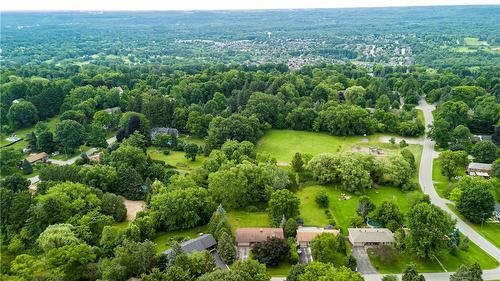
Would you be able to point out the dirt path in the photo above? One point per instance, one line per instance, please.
(133, 207)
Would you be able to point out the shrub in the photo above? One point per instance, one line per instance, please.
(386, 254)
(322, 199)
(272, 251)
(356, 222)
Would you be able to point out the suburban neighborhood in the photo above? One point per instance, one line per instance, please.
(249, 141)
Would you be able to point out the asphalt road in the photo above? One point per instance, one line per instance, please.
(425, 179)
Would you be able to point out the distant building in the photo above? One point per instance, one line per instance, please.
(247, 237)
(205, 242)
(370, 236)
(479, 169)
(36, 157)
(163, 131)
(306, 234)
(113, 110)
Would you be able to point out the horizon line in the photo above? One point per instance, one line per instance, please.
(244, 9)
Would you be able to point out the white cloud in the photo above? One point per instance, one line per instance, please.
(105, 5)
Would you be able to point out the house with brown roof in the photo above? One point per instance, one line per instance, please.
(35, 157)
(479, 169)
(306, 234)
(247, 237)
(370, 236)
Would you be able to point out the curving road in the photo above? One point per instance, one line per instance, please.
(91, 151)
(425, 180)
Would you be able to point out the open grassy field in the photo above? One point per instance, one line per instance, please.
(473, 41)
(490, 231)
(21, 133)
(176, 159)
(344, 210)
(450, 262)
(283, 144)
(164, 240)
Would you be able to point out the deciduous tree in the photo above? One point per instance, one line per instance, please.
(429, 228)
(476, 203)
(283, 203)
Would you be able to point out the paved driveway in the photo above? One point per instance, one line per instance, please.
(363, 261)
(305, 257)
(243, 252)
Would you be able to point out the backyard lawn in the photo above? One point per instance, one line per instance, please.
(239, 219)
(450, 262)
(343, 210)
(21, 133)
(490, 231)
(164, 240)
(175, 158)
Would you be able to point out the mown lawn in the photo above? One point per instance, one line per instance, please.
(239, 219)
(490, 231)
(280, 270)
(440, 182)
(344, 210)
(121, 225)
(450, 262)
(175, 158)
(283, 144)
(64, 157)
(192, 139)
(164, 240)
(21, 133)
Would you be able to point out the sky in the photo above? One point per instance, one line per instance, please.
(106, 5)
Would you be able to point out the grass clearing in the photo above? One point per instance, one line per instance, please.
(175, 158)
(280, 270)
(21, 133)
(490, 231)
(164, 240)
(474, 41)
(344, 210)
(121, 225)
(239, 219)
(450, 262)
(283, 144)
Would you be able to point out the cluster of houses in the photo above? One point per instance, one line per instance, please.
(246, 238)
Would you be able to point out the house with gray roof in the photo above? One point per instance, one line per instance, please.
(479, 169)
(205, 242)
(164, 131)
(370, 236)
